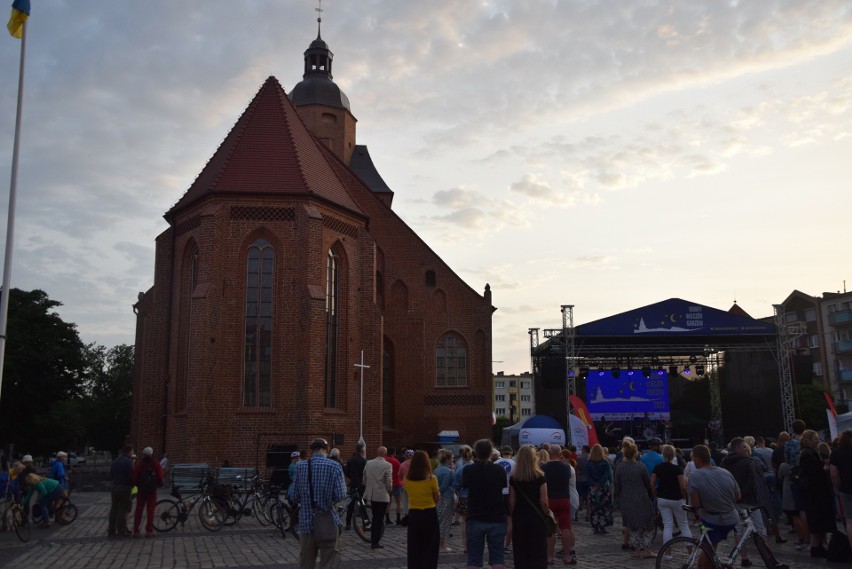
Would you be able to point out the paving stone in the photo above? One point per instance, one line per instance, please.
(248, 545)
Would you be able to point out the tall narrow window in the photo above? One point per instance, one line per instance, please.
(451, 361)
(332, 324)
(387, 384)
(258, 319)
(189, 279)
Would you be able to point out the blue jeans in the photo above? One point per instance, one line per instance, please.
(477, 534)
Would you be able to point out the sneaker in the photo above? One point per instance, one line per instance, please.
(572, 559)
(746, 563)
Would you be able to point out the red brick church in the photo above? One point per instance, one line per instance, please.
(281, 263)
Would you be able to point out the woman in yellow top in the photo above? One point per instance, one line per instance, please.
(423, 533)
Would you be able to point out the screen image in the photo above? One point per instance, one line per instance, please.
(630, 395)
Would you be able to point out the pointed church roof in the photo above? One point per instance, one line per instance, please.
(269, 151)
(738, 310)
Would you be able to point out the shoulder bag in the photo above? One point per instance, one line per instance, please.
(550, 524)
(324, 527)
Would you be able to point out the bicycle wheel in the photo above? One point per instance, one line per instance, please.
(282, 518)
(166, 515)
(680, 553)
(212, 515)
(21, 524)
(362, 522)
(66, 514)
(263, 509)
(765, 553)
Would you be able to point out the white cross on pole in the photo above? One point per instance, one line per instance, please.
(361, 420)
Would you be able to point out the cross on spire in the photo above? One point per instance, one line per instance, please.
(318, 10)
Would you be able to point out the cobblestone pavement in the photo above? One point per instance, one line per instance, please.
(84, 544)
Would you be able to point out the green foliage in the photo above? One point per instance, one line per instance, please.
(811, 406)
(57, 392)
(109, 387)
(497, 429)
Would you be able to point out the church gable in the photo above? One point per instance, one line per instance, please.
(269, 151)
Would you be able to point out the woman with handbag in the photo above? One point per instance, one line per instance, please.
(423, 530)
(528, 507)
(633, 495)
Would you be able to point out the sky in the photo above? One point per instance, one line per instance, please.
(607, 154)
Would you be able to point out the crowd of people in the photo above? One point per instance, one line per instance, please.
(526, 502)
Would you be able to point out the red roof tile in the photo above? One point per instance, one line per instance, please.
(269, 150)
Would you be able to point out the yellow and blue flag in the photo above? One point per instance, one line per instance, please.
(20, 13)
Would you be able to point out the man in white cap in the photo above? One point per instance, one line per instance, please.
(57, 470)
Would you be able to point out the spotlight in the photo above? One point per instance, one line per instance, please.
(646, 371)
(630, 373)
(672, 371)
(571, 373)
(686, 371)
(699, 369)
(601, 373)
(661, 371)
(584, 372)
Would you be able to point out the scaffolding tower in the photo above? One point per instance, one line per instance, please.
(787, 335)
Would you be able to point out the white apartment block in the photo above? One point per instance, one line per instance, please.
(513, 396)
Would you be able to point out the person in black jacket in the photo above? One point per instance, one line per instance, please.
(354, 471)
(486, 514)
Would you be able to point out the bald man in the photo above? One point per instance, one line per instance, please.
(378, 483)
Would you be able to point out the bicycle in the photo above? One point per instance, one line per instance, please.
(360, 515)
(16, 516)
(63, 510)
(169, 513)
(686, 552)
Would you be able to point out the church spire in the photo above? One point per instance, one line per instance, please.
(318, 57)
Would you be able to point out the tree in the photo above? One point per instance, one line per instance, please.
(43, 376)
(811, 406)
(497, 429)
(109, 390)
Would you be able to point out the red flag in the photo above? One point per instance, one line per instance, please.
(830, 404)
(582, 412)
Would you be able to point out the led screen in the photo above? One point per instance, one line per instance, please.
(628, 396)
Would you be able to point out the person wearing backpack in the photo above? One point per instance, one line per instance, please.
(147, 477)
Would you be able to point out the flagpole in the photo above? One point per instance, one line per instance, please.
(10, 224)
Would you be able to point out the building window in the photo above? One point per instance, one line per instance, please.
(499, 398)
(525, 398)
(332, 326)
(817, 368)
(810, 315)
(190, 280)
(451, 361)
(387, 384)
(526, 411)
(499, 384)
(500, 411)
(814, 341)
(525, 385)
(258, 325)
(430, 279)
(513, 383)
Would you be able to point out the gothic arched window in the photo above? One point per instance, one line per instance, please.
(451, 361)
(332, 326)
(257, 381)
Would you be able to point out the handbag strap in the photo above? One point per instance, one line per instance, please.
(311, 487)
(534, 507)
